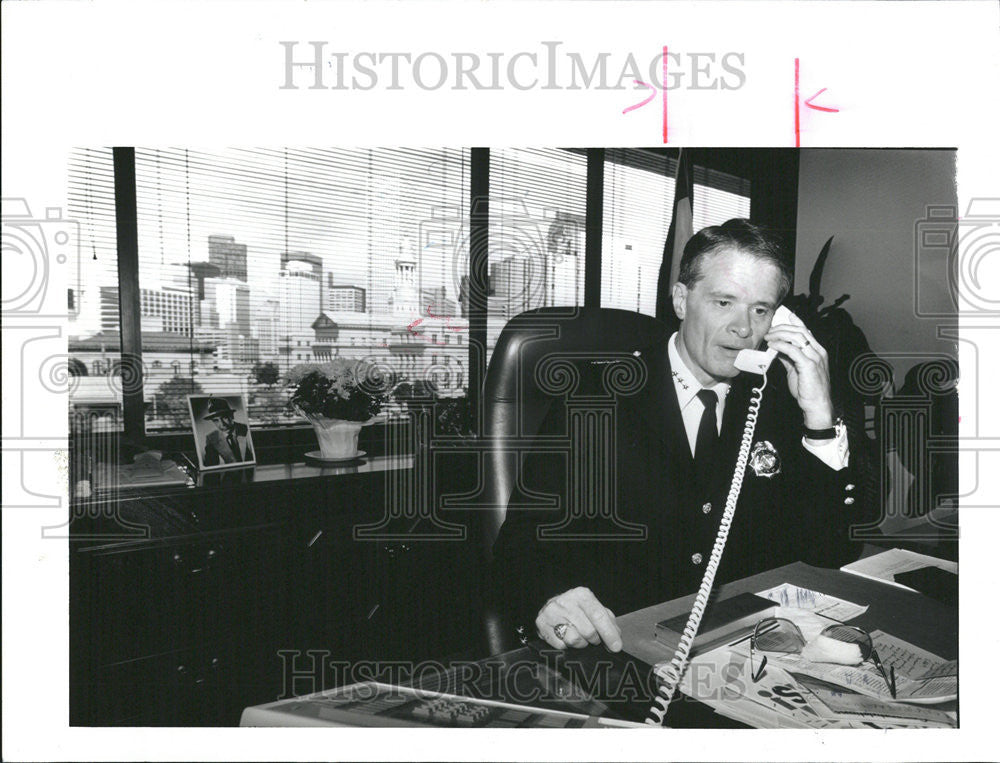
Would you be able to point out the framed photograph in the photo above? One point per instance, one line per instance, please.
(221, 431)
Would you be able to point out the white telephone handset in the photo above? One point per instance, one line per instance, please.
(758, 361)
(670, 672)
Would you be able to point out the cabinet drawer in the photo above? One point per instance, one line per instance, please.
(207, 685)
(157, 598)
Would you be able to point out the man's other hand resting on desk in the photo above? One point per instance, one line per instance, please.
(576, 618)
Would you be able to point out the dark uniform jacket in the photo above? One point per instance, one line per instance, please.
(651, 528)
(219, 449)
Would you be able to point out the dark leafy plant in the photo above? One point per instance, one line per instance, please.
(416, 393)
(341, 389)
(171, 400)
(848, 350)
(454, 417)
(266, 373)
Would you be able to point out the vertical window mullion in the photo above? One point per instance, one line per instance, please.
(479, 263)
(127, 234)
(594, 227)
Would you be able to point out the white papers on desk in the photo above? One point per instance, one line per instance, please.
(720, 678)
(921, 677)
(872, 712)
(794, 597)
(885, 566)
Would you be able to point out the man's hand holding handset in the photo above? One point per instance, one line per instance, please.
(808, 369)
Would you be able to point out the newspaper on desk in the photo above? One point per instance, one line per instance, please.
(796, 693)
(805, 600)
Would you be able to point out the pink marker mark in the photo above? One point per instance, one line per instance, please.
(811, 105)
(797, 143)
(640, 105)
(664, 93)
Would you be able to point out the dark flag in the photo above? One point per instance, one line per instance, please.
(680, 231)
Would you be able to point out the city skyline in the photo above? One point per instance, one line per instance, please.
(297, 255)
(194, 286)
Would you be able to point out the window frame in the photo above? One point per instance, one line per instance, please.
(761, 174)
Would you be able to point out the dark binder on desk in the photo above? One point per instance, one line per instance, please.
(938, 584)
(723, 620)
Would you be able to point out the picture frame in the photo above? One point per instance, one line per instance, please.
(221, 430)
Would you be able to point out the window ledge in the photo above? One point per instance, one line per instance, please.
(227, 480)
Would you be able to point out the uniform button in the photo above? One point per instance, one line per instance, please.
(695, 558)
(848, 487)
(848, 501)
(706, 508)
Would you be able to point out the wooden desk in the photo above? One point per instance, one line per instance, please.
(921, 621)
(620, 685)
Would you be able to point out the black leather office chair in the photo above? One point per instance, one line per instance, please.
(532, 369)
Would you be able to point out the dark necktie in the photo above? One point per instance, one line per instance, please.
(235, 447)
(708, 435)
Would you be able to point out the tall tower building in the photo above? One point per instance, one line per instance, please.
(563, 266)
(231, 299)
(228, 256)
(199, 273)
(622, 278)
(405, 297)
(266, 327)
(520, 282)
(300, 284)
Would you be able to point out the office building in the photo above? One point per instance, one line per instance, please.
(266, 327)
(435, 302)
(174, 309)
(299, 292)
(229, 301)
(345, 299)
(228, 256)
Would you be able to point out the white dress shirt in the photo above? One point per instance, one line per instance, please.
(834, 453)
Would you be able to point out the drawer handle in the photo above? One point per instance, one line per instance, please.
(210, 556)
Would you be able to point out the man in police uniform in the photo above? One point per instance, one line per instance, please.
(676, 445)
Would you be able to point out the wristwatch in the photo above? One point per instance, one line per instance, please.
(829, 433)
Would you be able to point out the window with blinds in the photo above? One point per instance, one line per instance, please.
(638, 204)
(536, 234)
(94, 343)
(254, 261)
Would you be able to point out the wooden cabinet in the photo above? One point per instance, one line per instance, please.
(218, 607)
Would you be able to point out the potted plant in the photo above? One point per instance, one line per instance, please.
(338, 398)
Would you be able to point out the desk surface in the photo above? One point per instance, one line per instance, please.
(909, 615)
(621, 685)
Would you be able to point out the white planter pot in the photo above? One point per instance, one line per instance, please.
(337, 438)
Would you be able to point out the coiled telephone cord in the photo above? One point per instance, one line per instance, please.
(672, 672)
